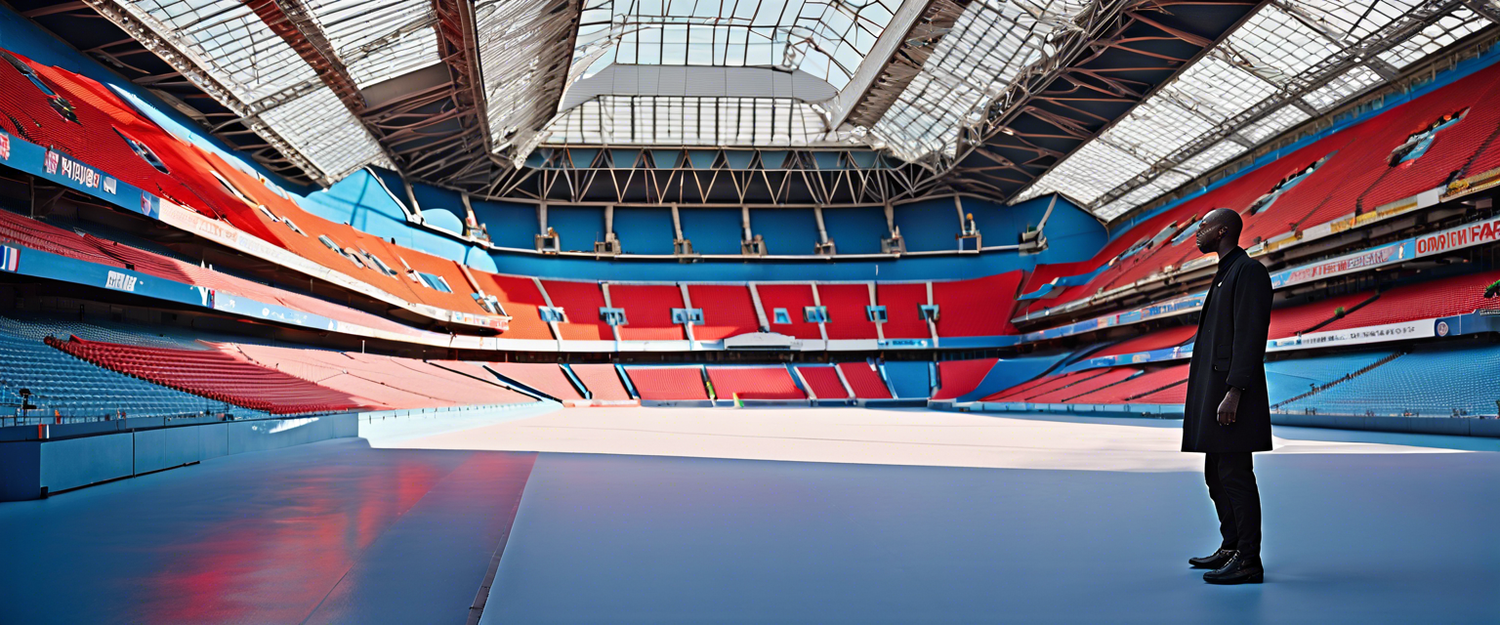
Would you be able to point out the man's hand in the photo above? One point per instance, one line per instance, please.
(1229, 406)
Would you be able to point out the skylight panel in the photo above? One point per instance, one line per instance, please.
(988, 46)
(229, 41)
(1214, 156)
(1343, 86)
(324, 131)
(1218, 89)
(380, 39)
(1090, 172)
(826, 38)
(1278, 45)
(1158, 127)
(675, 120)
(1447, 30)
(1274, 124)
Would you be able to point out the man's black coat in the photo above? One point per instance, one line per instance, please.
(1230, 350)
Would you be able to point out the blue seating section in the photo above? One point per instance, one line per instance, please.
(579, 226)
(37, 328)
(1431, 382)
(1286, 379)
(856, 230)
(644, 230)
(928, 226)
(712, 230)
(787, 231)
(911, 380)
(75, 388)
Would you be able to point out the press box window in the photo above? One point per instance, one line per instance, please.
(780, 316)
(875, 314)
(815, 314)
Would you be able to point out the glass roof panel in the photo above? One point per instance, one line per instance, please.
(1452, 27)
(320, 127)
(379, 39)
(1090, 172)
(987, 47)
(1274, 123)
(1355, 80)
(826, 38)
(1216, 155)
(1278, 45)
(676, 120)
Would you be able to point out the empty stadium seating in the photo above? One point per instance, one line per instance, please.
(902, 301)
(520, 298)
(545, 377)
(792, 299)
(864, 380)
(1160, 339)
(823, 381)
(648, 311)
(727, 311)
(1133, 387)
(602, 382)
(959, 377)
(979, 307)
(1421, 383)
(847, 317)
(1084, 386)
(60, 385)
(1423, 300)
(909, 379)
(580, 302)
(668, 383)
(754, 382)
(214, 374)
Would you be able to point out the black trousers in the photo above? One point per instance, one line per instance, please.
(1231, 484)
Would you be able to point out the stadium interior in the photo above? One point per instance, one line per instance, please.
(467, 236)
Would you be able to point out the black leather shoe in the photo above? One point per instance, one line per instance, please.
(1237, 571)
(1218, 559)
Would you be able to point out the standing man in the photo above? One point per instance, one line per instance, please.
(1227, 414)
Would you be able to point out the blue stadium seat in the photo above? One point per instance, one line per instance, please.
(1432, 381)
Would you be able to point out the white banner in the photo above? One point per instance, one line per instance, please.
(1422, 328)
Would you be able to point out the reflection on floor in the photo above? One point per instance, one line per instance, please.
(676, 516)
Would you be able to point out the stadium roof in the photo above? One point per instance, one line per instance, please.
(1111, 102)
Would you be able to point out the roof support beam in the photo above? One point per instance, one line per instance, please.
(853, 105)
(149, 34)
(293, 21)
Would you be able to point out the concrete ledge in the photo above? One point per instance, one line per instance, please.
(764, 402)
(679, 403)
(32, 469)
(891, 403)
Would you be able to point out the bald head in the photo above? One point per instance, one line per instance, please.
(1219, 231)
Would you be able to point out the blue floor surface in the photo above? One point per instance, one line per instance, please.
(340, 532)
(1348, 539)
